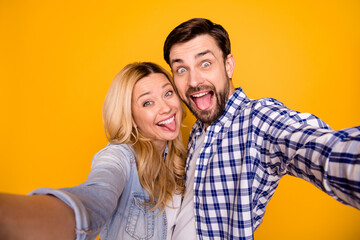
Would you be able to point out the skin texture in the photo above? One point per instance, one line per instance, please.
(156, 109)
(35, 218)
(199, 70)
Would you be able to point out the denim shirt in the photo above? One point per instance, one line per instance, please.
(109, 202)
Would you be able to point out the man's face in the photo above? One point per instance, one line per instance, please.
(202, 77)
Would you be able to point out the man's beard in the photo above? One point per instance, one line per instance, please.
(209, 116)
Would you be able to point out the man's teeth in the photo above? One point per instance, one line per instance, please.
(199, 94)
(167, 121)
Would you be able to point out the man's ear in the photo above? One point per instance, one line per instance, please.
(229, 65)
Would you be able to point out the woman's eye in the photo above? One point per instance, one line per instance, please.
(205, 64)
(181, 70)
(168, 93)
(147, 103)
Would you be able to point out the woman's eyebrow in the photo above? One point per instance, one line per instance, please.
(148, 92)
(166, 84)
(142, 95)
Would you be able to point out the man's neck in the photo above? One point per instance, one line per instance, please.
(231, 92)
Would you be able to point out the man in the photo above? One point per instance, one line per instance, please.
(240, 148)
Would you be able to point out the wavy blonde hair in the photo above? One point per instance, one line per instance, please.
(160, 178)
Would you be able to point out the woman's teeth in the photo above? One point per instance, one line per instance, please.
(166, 121)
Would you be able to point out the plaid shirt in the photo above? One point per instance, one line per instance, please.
(251, 146)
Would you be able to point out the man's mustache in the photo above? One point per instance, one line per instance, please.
(192, 90)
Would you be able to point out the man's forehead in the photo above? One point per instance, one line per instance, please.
(194, 47)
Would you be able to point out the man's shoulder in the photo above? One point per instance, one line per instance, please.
(253, 106)
(239, 100)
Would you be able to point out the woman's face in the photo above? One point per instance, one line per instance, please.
(156, 109)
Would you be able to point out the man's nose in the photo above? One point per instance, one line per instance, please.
(195, 79)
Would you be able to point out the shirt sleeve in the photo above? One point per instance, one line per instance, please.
(95, 200)
(302, 145)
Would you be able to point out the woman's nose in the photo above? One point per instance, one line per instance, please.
(164, 106)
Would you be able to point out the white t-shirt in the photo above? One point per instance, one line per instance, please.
(185, 220)
(171, 213)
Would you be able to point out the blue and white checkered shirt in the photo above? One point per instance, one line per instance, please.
(251, 146)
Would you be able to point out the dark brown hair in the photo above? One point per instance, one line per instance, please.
(192, 28)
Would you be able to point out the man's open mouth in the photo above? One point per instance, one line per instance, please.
(203, 100)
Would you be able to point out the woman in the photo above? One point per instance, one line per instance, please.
(135, 182)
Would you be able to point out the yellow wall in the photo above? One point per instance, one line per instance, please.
(57, 59)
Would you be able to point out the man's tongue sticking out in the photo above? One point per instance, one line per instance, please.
(203, 102)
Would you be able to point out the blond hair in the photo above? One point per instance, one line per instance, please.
(160, 178)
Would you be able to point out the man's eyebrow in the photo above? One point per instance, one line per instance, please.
(177, 60)
(200, 54)
(204, 53)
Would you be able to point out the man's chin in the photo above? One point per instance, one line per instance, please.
(213, 112)
(205, 116)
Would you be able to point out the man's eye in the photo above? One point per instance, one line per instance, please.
(181, 70)
(147, 103)
(206, 64)
(168, 93)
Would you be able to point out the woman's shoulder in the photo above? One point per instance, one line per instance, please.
(115, 152)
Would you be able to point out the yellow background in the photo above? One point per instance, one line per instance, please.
(57, 59)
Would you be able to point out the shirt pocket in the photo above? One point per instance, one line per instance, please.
(141, 221)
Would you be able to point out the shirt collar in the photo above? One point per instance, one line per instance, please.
(231, 106)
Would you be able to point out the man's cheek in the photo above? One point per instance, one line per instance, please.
(181, 91)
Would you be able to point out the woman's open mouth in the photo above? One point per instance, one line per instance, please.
(168, 124)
